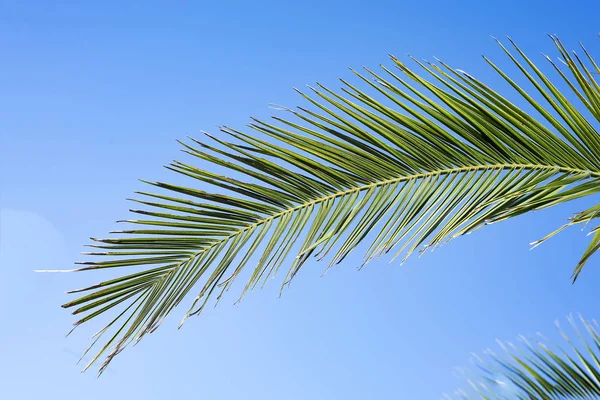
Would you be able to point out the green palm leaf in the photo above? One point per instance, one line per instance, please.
(408, 161)
(537, 369)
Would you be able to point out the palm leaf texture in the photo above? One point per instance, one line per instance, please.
(402, 159)
(538, 369)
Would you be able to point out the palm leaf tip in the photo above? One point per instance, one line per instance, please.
(404, 161)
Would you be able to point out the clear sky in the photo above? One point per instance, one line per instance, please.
(93, 96)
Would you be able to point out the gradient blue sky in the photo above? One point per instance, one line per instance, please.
(93, 96)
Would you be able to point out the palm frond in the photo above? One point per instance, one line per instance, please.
(538, 369)
(402, 159)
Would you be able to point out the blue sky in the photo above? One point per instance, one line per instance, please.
(93, 97)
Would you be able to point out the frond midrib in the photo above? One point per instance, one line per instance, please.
(458, 170)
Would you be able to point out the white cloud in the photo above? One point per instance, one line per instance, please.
(28, 241)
